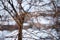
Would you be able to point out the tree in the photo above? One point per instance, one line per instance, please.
(13, 12)
(18, 13)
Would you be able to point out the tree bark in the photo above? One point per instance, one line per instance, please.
(20, 33)
(21, 21)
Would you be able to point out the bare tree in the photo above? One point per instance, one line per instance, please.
(13, 12)
(20, 14)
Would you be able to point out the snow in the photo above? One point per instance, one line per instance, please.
(26, 24)
(0, 33)
(48, 20)
(3, 33)
(30, 34)
(42, 20)
(13, 33)
(10, 39)
(37, 34)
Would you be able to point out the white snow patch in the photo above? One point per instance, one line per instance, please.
(32, 34)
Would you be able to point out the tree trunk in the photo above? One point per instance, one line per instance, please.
(20, 33)
(21, 21)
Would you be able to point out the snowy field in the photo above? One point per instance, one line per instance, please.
(29, 34)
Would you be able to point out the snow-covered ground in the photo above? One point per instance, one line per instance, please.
(48, 20)
(29, 34)
(6, 33)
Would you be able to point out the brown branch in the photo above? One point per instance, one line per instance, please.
(13, 7)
